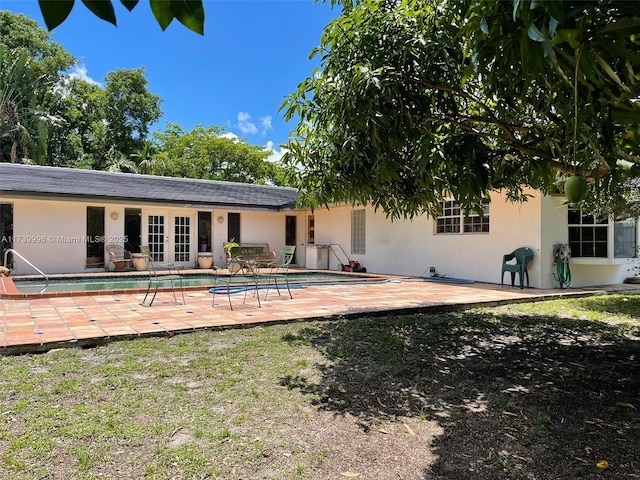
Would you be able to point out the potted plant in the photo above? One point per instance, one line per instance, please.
(227, 247)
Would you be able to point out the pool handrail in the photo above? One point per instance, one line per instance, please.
(11, 250)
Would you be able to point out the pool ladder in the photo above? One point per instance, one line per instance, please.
(12, 251)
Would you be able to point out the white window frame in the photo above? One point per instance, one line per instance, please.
(608, 238)
(454, 221)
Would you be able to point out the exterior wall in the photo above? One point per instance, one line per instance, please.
(411, 247)
(255, 227)
(51, 234)
(585, 272)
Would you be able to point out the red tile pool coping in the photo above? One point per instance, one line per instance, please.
(32, 324)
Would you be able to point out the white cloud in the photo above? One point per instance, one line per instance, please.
(80, 71)
(265, 122)
(275, 154)
(249, 127)
(245, 124)
(230, 136)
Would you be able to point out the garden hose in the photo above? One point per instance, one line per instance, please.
(563, 273)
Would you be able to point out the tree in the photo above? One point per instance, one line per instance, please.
(130, 109)
(148, 160)
(209, 153)
(188, 12)
(417, 101)
(23, 36)
(80, 139)
(29, 68)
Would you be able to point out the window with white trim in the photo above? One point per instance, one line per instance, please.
(454, 219)
(358, 237)
(588, 235)
(625, 243)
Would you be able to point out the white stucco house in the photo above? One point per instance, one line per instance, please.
(61, 219)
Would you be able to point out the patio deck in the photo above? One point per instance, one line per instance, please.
(41, 324)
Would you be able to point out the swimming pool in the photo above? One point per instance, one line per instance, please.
(136, 283)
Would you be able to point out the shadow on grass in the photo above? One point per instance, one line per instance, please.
(536, 397)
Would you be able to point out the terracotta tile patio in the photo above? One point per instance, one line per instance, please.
(40, 324)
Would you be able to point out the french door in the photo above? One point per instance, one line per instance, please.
(169, 237)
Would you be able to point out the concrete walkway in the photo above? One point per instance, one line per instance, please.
(37, 325)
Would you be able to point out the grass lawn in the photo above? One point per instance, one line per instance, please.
(530, 391)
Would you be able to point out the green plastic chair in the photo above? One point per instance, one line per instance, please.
(522, 257)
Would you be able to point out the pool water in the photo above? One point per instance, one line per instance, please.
(137, 282)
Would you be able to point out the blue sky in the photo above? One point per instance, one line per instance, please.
(252, 55)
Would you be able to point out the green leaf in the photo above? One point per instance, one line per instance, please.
(162, 11)
(516, 7)
(102, 9)
(609, 71)
(535, 34)
(483, 26)
(555, 9)
(190, 13)
(54, 13)
(129, 4)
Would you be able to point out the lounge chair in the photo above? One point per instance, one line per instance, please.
(119, 258)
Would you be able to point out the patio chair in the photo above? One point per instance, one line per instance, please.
(522, 257)
(161, 274)
(243, 276)
(119, 258)
(280, 269)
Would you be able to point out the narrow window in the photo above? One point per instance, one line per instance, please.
(358, 234)
(95, 237)
(204, 231)
(6, 232)
(311, 230)
(233, 227)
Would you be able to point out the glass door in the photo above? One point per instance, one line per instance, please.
(156, 237)
(181, 239)
(170, 237)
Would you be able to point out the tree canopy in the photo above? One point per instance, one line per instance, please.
(417, 101)
(212, 154)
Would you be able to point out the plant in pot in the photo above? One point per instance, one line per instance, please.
(227, 247)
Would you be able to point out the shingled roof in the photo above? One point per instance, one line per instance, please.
(33, 180)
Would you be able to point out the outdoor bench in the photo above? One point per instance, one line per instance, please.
(257, 252)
